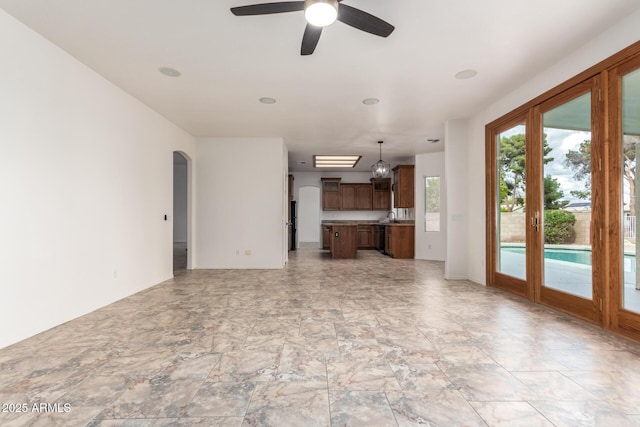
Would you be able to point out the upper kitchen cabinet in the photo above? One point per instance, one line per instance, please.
(403, 186)
(331, 194)
(381, 193)
(356, 197)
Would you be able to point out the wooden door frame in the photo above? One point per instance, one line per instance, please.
(618, 318)
(581, 307)
(494, 277)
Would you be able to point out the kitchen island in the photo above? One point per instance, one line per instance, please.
(395, 238)
(343, 241)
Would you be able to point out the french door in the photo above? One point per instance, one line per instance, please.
(568, 200)
(624, 124)
(508, 249)
(563, 196)
(546, 167)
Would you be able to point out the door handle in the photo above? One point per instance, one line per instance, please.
(535, 222)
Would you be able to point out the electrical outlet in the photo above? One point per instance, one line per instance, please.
(247, 252)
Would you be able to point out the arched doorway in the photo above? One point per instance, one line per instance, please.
(181, 226)
(309, 217)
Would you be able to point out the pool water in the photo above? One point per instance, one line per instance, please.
(578, 256)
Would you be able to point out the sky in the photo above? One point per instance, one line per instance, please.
(561, 141)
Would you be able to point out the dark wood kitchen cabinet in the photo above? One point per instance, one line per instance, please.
(365, 236)
(337, 195)
(326, 237)
(331, 194)
(356, 197)
(381, 194)
(403, 186)
(399, 241)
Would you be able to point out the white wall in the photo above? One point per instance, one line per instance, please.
(456, 139)
(430, 245)
(602, 46)
(240, 203)
(86, 180)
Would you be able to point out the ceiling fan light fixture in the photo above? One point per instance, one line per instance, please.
(321, 12)
(380, 169)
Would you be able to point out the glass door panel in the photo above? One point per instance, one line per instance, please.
(510, 209)
(630, 188)
(566, 189)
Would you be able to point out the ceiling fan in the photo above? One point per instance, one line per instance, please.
(320, 13)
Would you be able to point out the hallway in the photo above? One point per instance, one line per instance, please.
(367, 342)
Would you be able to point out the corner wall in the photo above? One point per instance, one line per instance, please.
(86, 180)
(240, 203)
(430, 245)
(456, 140)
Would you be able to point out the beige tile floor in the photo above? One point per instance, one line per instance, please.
(366, 342)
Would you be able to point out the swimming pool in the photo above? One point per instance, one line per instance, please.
(574, 255)
(579, 256)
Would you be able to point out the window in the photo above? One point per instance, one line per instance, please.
(432, 203)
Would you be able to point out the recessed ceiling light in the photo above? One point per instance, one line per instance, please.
(370, 101)
(331, 161)
(466, 74)
(267, 100)
(169, 71)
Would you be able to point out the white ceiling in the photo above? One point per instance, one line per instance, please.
(228, 63)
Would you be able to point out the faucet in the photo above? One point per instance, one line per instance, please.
(393, 216)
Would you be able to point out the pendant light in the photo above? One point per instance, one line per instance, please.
(380, 169)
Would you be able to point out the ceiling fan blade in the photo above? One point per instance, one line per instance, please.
(364, 21)
(268, 8)
(310, 39)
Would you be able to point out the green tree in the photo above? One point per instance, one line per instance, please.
(629, 144)
(580, 161)
(511, 162)
(504, 189)
(553, 194)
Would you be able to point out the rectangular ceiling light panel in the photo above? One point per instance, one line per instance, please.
(329, 161)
